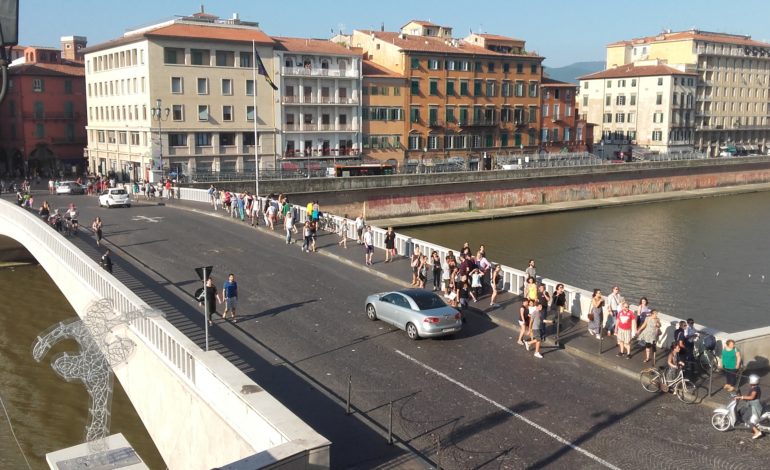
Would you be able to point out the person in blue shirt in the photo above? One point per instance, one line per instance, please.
(230, 297)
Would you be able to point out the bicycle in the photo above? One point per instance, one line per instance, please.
(703, 352)
(328, 224)
(653, 380)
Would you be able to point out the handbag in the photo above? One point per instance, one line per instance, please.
(591, 316)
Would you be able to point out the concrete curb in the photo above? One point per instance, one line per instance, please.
(598, 361)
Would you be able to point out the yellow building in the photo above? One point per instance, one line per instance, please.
(384, 98)
(733, 71)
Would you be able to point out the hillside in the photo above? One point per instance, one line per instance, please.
(569, 73)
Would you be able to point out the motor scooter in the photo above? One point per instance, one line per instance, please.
(725, 418)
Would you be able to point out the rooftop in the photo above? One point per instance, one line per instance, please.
(317, 46)
(66, 68)
(695, 35)
(550, 82)
(373, 70)
(435, 45)
(630, 70)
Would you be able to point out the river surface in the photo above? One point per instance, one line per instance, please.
(708, 259)
(47, 413)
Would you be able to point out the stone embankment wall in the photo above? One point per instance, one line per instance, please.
(406, 195)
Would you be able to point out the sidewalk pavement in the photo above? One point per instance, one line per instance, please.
(573, 333)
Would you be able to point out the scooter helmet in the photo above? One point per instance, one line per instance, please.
(753, 379)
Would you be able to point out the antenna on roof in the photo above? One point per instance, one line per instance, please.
(202, 10)
(382, 26)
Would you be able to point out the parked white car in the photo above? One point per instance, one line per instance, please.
(114, 197)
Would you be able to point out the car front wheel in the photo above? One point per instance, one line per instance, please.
(411, 331)
(371, 313)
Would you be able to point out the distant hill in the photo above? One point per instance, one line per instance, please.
(570, 73)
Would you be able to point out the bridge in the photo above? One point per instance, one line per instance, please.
(476, 399)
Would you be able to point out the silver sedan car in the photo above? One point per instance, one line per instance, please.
(418, 312)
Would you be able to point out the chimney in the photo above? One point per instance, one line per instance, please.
(71, 47)
(382, 26)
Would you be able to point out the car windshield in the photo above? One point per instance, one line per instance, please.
(426, 300)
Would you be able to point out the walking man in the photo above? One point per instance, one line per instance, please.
(230, 297)
(360, 229)
(106, 261)
(368, 244)
(536, 330)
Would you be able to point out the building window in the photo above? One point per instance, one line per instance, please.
(450, 88)
(657, 136)
(39, 131)
(250, 114)
(249, 87)
(227, 86)
(415, 63)
(69, 110)
(533, 69)
(172, 55)
(39, 110)
(433, 64)
(532, 113)
(545, 110)
(633, 100)
(609, 83)
(620, 117)
(607, 100)
(122, 138)
(67, 86)
(477, 84)
(465, 66)
(203, 139)
(245, 59)
(659, 99)
(450, 114)
(433, 116)
(432, 142)
(203, 86)
(506, 69)
(463, 116)
(463, 87)
(490, 67)
(491, 91)
(519, 89)
(633, 82)
(175, 139)
(134, 138)
(415, 142)
(607, 117)
(227, 139)
(533, 88)
(433, 87)
(414, 114)
(199, 57)
(585, 101)
(660, 81)
(519, 68)
(38, 85)
(227, 113)
(620, 100)
(225, 58)
(415, 86)
(203, 112)
(177, 85)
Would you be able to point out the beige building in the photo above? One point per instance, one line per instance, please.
(638, 108)
(182, 93)
(320, 100)
(733, 78)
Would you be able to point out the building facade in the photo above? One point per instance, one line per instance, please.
(320, 100)
(562, 130)
(733, 78)
(180, 97)
(43, 116)
(384, 100)
(464, 97)
(640, 108)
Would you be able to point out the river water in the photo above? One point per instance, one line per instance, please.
(46, 412)
(708, 259)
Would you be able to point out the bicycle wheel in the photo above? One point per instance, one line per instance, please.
(705, 362)
(687, 391)
(651, 380)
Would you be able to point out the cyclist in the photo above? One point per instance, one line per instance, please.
(751, 412)
(675, 362)
(73, 216)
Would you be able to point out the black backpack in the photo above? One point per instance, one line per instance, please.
(709, 342)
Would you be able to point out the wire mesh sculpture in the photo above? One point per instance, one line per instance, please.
(101, 349)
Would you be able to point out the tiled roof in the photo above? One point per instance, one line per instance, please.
(424, 23)
(318, 46)
(550, 82)
(434, 45)
(44, 69)
(370, 69)
(189, 31)
(219, 33)
(630, 70)
(695, 35)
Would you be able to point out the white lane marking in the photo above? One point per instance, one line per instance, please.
(154, 220)
(553, 435)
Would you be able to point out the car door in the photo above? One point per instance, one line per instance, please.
(402, 311)
(387, 310)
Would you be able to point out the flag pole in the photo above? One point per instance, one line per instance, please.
(256, 134)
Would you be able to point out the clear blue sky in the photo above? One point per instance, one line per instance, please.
(564, 31)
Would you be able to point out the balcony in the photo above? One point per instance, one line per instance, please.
(435, 123)
(316, 100)
(483, 122)
(320, 127)
(321, 153)
(316, 72)
(46, 116)
(178, 151)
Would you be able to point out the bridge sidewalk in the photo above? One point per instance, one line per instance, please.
(574, 337)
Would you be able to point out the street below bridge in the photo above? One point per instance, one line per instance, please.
(475, 400)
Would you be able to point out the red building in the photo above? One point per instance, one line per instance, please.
(562, 128)
(43, 115)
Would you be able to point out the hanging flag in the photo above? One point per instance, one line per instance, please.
(261, 68)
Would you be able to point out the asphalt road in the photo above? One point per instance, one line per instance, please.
(476, 400)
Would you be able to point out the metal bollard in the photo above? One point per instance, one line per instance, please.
(558, 326)
(350, 382)
(711, 375)
(390, 423)
(601, 339)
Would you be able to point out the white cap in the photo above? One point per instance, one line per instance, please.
(753, 379)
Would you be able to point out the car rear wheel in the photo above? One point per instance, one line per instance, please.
(411, 331)
(371, 312)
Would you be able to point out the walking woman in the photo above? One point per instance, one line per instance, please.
(648, 333)
(436, 262)
(495, 280)
(390, 245)
(96, 226)
(595, 315)
(414, 262)
(731, 363)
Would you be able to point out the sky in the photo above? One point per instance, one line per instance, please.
(563, 31)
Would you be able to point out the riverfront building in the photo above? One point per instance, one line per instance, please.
(181, 93)
(463, 97)
(733, 78)
(384, 101)
(562, 130)
(320, 99)
(638, 108)
(43, 115)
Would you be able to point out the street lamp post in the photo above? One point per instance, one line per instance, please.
(160, 114)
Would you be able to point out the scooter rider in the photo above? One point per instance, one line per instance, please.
(753, 409)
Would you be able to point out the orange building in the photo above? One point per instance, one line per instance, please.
(562, 130)
(383, 113)
(464, 97)
(43, 116)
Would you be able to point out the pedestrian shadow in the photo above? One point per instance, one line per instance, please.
(148, 242)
